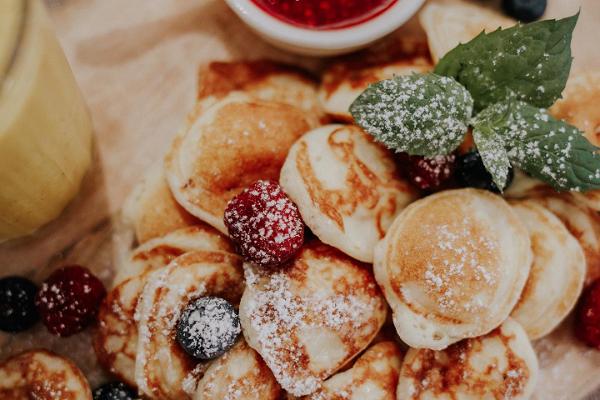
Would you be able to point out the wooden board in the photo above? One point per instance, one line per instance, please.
(136, 63)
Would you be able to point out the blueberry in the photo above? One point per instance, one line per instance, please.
(524, 10)
(17, 304)
(115, 391)
(472, 173)
(208, 327)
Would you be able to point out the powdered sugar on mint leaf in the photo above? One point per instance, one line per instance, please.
(532, 61)
(546, 148)
(420, 114)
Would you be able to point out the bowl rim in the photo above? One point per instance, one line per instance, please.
(355, 35)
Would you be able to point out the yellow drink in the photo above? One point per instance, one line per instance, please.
(45, 129)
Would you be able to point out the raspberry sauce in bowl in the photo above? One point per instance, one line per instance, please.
(323, 27)
(324, 14)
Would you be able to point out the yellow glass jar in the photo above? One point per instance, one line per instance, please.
(45, 128)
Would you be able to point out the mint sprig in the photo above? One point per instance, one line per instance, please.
(423, 114)
(507, 76)
(530, 61)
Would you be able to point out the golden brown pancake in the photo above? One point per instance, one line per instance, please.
(152, 209)
(159, 252)
(582, 222)
(557, 272)
(451, 22)
(344, 81)
(234, 143)
(42, 375)
(263, 80)
(499, 365)
(347, 187)
(374, 376)
(163, 370)
(238, 374)
(452, 266)
(310, 318)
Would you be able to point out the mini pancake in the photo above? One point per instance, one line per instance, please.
(579, 107)
(448, 23)
(116, 337)
(159, 252)
(152, 209)
(309, 319)
(347, 187)
(583, 223)
(524, 186)
(234, 143)
(374, 376)
(499, 365)
(452, 266)
(263, 80)
(557, 272)
(238, 374)
(344, 81)
(162, 369)
(42, 375)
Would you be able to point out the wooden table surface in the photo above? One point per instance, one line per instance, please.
(136, 63)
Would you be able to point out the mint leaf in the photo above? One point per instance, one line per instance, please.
(546, 148)
(490, 143)
(421, 114)
(532, 61)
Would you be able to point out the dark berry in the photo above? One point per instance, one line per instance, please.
(17, 304)
(524, 10)
(587, 325)
(69, 299)
(471, 172)
(431, 174)
(115, 391)
(265, 224)
(208, 327)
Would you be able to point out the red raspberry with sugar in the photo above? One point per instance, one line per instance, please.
(587, 325)
(265, 224)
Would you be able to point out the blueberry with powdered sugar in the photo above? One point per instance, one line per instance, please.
(115, 391)
(208, 327)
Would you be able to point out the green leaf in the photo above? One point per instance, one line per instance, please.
(421, 114)
(546, 148)
(490, 143)
(532, 61)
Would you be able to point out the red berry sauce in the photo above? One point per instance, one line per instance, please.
(324, 14)
(587, 325)
(69, 300)
(265, 224)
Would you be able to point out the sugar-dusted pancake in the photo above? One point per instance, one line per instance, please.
(583, 223)
(499, 365)
(347, 187)
(451, 22)
(557, 272)
(42, 375)
(238, 374)
(116, 337)
(579, 107)
(344, 81)
(152, 210)
(159, 252)
(263, 80)
(311, 317)
(232, 144)
(163, 370)
(374, 376)
(452, 266)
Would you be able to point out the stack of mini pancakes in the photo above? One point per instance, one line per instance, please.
(470, 277)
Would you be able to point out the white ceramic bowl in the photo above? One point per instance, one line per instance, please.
(323, 42)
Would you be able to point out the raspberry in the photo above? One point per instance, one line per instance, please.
(17, 304)
(265, 224)
(587, 325)
(69, 299)
(430, 174)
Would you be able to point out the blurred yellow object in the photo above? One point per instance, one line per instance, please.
(45, 128)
